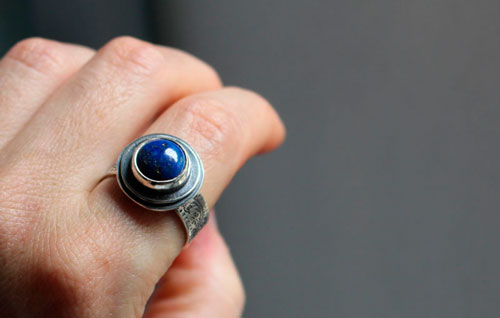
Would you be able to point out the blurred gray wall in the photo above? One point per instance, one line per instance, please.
(385, 199)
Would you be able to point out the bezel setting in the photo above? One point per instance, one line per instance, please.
(159, 195)
(170, 184)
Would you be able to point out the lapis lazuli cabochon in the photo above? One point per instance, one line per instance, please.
(161, 160)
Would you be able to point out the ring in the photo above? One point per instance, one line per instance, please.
(161, 172)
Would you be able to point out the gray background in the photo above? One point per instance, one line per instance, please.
(385, 199)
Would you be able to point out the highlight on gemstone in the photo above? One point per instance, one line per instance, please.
(161, 160)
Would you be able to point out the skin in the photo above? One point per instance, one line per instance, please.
(71, 243)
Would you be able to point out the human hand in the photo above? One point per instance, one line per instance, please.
(71, 243)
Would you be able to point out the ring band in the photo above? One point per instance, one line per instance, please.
(162, 172)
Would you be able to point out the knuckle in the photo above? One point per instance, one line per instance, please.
(259, 100)
(133, 55)
(213, 127)
(39, 54)
(211, 75)
(205, 72)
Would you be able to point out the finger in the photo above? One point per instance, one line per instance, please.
(202, 282)
(225, 127)
(107, 103)
(29, 73)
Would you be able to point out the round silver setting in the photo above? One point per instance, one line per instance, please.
(159, 195)
(179, 194)
(170, 184)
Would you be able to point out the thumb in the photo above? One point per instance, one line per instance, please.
(202, 282)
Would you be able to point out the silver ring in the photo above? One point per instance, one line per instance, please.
(161, 172)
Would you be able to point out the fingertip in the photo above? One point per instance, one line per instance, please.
(277, 134)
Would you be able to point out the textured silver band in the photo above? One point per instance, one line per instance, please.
(194, 215)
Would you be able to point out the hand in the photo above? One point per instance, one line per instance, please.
(71, 243)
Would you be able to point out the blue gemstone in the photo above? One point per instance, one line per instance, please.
(161, 160)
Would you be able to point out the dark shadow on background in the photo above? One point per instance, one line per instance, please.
(15, 23)
(91, 22)
(165, 20)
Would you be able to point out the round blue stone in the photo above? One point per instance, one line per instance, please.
(161, 160)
